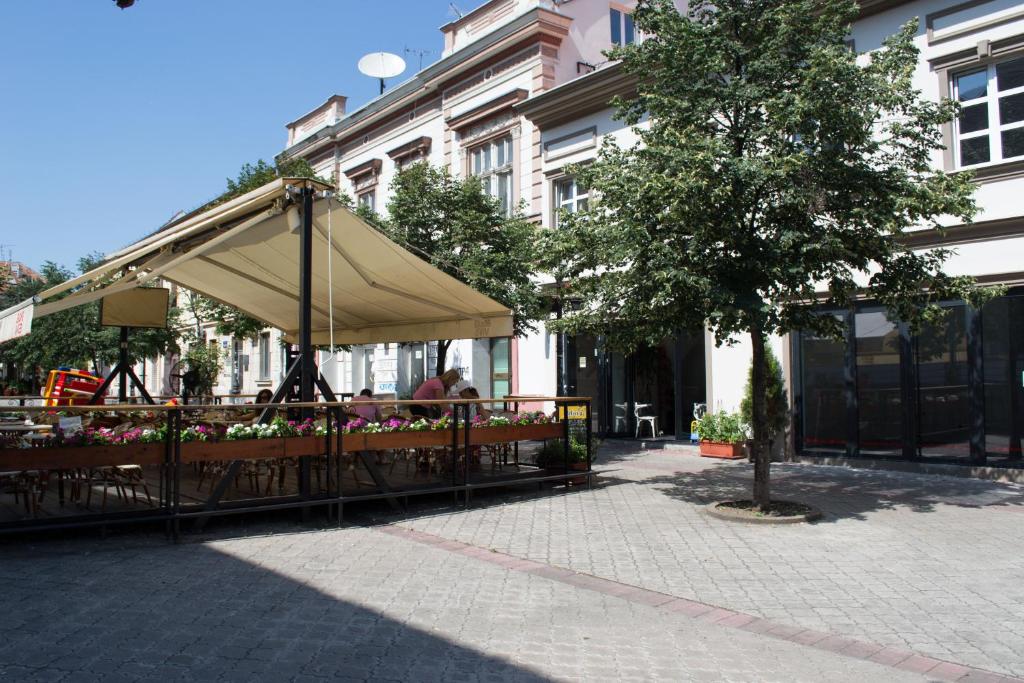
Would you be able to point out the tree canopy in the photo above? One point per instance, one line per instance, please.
(772, 165)
(452, 224)
(74, 337)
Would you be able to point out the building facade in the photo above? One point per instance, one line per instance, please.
(950, 393)
(522, 91)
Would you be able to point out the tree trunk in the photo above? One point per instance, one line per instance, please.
(761, 451)
(442, 355)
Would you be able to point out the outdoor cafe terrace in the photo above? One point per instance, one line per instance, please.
(71, 466)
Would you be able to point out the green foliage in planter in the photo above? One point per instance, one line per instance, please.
(552, 453)
(722, 427)
(776, 400)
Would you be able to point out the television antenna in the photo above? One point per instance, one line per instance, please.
(419, 53)
(381, 65)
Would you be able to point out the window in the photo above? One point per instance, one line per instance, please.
(501, 366)
(623, 32)
(492, 163)
(368, 200)
(991, 123)
(264, 351)
(569, 196)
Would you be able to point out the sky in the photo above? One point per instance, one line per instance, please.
(113, 120)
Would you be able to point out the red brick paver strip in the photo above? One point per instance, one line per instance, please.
(848, 647)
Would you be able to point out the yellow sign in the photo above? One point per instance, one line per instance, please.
(575, 412)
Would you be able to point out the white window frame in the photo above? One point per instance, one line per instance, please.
(995, 127)
(493, 162)
(367, 199)
(572, 202)
(624, 21)
(264, 356)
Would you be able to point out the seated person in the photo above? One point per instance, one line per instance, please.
(474, 408)
(368, 413)
(434, 389)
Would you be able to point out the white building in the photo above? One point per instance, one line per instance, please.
(522, 90)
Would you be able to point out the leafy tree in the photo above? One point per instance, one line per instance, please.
(774, 166)
(450, 223)
(74, 337)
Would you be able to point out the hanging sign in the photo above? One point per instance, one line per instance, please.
(16, 321)
(575, 412)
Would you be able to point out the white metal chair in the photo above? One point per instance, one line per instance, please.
(652, 420)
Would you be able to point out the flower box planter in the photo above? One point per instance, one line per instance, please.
(382, 441)
(244, 449)
(485, 435)
(72, 457)
(298, 446)
(725, 451)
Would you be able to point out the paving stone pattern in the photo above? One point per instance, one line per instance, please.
(930, 564)
(353, 604)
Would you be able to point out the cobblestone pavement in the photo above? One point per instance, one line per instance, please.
(353, 604)
(931, 564)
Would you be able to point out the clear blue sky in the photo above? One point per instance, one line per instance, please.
(112, 120)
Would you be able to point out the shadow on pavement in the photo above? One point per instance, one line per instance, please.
(838, 491)
(193, 612)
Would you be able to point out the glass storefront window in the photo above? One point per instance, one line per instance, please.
(1003, 340)
(879, 390)
(824, 402)
(919, 395)
(942, 390)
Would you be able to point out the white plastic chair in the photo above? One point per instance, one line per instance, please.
(620, 418)
(652, 420)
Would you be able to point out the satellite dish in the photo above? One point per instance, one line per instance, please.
(381, 65)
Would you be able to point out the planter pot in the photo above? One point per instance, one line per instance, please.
(72, 457)
(298, 446)
(573, 467)
(389, 440)
(726, 451)
(246, 449)
(485, 435)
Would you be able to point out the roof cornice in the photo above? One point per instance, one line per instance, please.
(538, 22)
(580, 96)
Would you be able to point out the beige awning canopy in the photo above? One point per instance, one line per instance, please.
(243, 253)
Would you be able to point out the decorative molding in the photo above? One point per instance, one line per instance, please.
(584, 95)
(929, 21)
(985, 231)
(985, 52)
(365, 175)
(487, 110)
(538, 25)
(588, 140)
(420, 147)
(1005, 170)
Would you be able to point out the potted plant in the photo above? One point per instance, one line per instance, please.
(552, 458)
(722, 435)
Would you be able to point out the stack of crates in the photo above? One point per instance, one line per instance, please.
(67, 387)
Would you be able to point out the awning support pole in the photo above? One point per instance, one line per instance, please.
(122, 371)
(308, 373)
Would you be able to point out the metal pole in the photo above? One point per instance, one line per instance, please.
(465, 455)
(565, 438)
(308, 368)
(589, 454)
(122, 367)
